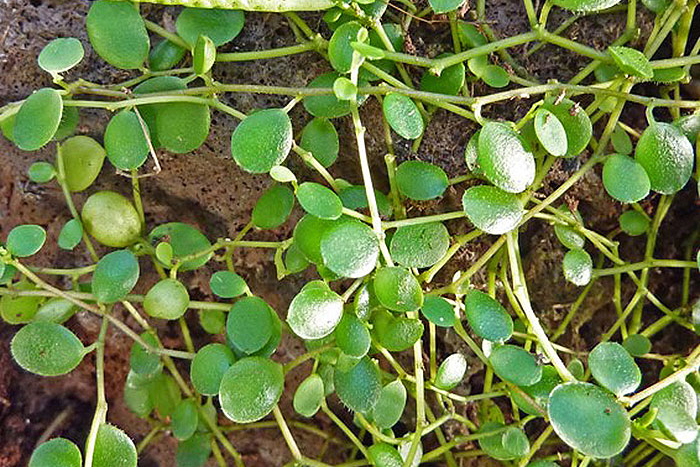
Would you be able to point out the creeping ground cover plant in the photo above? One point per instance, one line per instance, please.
(420, 337)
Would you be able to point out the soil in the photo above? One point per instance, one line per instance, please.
(207, 190)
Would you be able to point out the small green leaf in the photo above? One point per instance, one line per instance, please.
(390, 405)
(621, 141)
(185, 241)
(249, 324)
(308, 234)
(491, 209)
(193, 452)
(471, 154)
(397, 289)
(328, 105)
(396, 333)
(495, 76)
(125, 141)
(113, 448)
(57, 452)
(634, 223)
(550, 132)
(294, 259)
(115, 276)
(69, 122)
(588, 419)
(203, 55)
(469, 35)
(625, 179)
(350, 248)
(487, 318)
(507, 443)
(402, 115)
(118, 33)
(111, 219)
(614, 368)
(208, 367)
(538, 392)
(165, 55)
(319, 200)
(273, 207)
(438, 311)
(250, 389)
(569, 237)
(56, 310)
(667, 157)
(41, 172)
(184, 420)
(71, 234)
(578, 267)
(657, 6)
(142, 361)
(421, 245)
(315, 311)
(212, 321)
(421, 181)
(168, 299)
(631, 61)
(282, 174)
(503, 157)
(82, 159)
(515, 365)
(359, 388)
(46, 349)
(677, 406)
(637, 344)
(61, 55)
(320, 138)
(262, 140)
(339, 49)
(344, 89)
(38, 119)
(586, 5)
(445, 6)
(220, 25)
(227, 284)
(689, 126)
(384, 455)
(451, 371)
(308, 396)
(575, 120)
(21, 309)
(449, 82)
(25, 240)
(576, 368)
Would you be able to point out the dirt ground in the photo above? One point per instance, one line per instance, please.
(207, 190)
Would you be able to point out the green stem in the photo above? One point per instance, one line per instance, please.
(101, 407)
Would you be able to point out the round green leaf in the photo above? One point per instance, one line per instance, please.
(538, 392)
(46, 349)
(193, 452)
(677, 406)
(495, 76)
(614, 368)
(184, 419)
(212, 321)
(470, 35)
(350, 248)
(586, 5)
(667, 157)
(307, 236)
(631, 61)
(320, 138)
(397, 289)
(575, 120)
(637, 344)
(185, 240)
(57, 452)
(273, 207)
(168, 299)
(61, 54)
(220, 25)
(421, 181)
(515, 365)
(319, 201)
(689, 126)
(420, 245)
(69, 122)
(384, 455)
(113, 448)
(315, 311)
(359, 387)
(118, 33)
(25, 240)
(588, 419)
(471, 154)
(165, 55)
(402, 115)
(487, 318)
(55, 310)
(37, 120)
(396, 333)
(182, 126)
(328, 105)
(71, 234)
(491, 209)
(344, 89)
(339, 49)
(576, 368)
(250, 389)
(438, 311)
(578, 267)
(569, 237)
(503, 157)
(507, 443)
(111, 219)
(208, 367)
(203, 55)
(82, 159)
(625, 179)
(41, 172)
(444, 6)
(125, 141)
(262, 140)
(449, 82)
(634, 223)
(308, 396)
(294, 259)
(115, 276)
(352, 336)
(451, 371)
(390, 405)
(227, 284)
(249, 324)
(550, 132)
(621, 141)
(20, 309)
